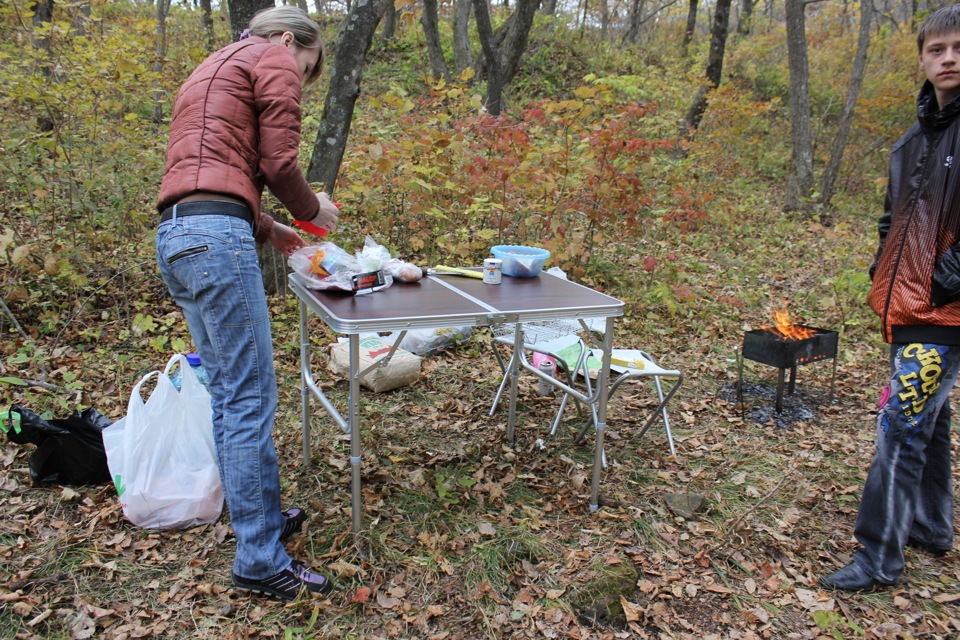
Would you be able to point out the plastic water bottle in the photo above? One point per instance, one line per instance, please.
(193, 359)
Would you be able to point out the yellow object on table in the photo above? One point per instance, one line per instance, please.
(457, 271)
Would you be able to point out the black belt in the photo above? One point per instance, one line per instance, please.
(209, 208)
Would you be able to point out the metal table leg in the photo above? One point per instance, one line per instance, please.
(304, 393)
(513, 371)
(602, 394)
(353, 417)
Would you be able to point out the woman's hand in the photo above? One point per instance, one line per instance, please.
(326, 218)
(285, 240)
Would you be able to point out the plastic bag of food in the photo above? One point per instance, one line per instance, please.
(325, 266)
(374, 253)
(402, 271)
(426, 342)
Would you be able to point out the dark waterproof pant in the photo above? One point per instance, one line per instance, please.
(908, 493)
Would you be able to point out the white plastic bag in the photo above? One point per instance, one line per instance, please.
(427, 342)
(162, 456)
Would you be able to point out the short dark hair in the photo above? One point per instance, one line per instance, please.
(943, 20)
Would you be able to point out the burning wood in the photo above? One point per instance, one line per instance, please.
(787, 346)
(784, 329)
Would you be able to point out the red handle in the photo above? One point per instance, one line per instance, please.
(309, 227)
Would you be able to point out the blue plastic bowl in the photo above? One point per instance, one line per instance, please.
(520, 261)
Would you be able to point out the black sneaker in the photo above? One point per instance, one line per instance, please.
(288, 584)
(293, 520)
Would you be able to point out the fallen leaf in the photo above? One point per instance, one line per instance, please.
(631, 610)
(386, 601)
(944, 598)
(362, 594)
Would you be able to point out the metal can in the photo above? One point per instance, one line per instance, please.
(492, 268)
(548, 367)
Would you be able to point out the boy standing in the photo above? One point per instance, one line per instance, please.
(907, 498)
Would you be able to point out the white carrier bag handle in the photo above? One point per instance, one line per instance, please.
(162, 455)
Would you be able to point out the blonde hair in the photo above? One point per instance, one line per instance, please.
(306, 32)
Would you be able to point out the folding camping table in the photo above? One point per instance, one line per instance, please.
(440, 301)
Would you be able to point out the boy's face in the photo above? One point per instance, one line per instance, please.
(940, 62)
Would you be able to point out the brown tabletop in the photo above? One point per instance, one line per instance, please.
(444, 301)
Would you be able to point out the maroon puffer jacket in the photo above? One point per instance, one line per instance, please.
(236, 128)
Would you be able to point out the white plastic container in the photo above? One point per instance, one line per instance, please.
(492, 268)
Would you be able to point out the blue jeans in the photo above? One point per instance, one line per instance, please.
(908, 493)
(210, 265)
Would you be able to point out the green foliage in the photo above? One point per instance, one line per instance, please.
(564, 174)
(837, 625)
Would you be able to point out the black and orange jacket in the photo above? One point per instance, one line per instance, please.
(916, 276)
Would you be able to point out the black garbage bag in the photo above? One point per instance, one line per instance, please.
(69, 450)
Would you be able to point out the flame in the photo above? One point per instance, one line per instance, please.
(785, 329)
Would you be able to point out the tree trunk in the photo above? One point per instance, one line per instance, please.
(241, 11)
(273, 266)
(43, 15)
(718, 43)
(637, 19)
(691, 26)
(746, 17)
(800, 178)
(431, 31)
(492, 56)
(604, 19)
(163, 8)
(353, 43)
(636, 15)
(389, 29)
(79, 15)
(516, 38)
(461, 34)
(846, 120)
(550, 7)
(208, 25)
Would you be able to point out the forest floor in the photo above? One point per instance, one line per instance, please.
(466, 537)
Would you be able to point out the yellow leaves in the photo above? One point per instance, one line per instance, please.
(125, 65)
(399, 103)
(20, 254)
(51, 264)
(585, 93)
